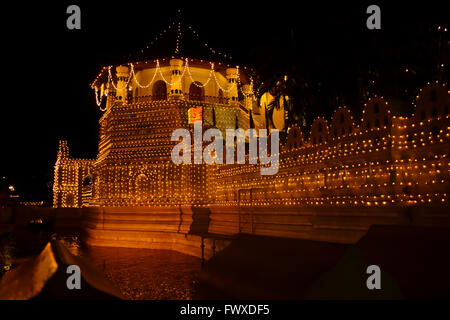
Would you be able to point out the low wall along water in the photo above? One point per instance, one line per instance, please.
(204, 231)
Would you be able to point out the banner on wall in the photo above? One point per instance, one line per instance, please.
(195, 114)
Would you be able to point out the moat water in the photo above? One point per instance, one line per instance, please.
(137, 273)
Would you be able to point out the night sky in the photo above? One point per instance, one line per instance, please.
(48, 69)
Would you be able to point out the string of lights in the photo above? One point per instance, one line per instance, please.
(159, 36)
(177, 47)
(207, 45)
(158, 70)
(207, 81)
(133, 74)
(96, 97)
(240, 86)
(111, 81)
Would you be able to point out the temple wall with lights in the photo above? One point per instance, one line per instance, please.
(386, 160)
(383, 160)
(145, 103)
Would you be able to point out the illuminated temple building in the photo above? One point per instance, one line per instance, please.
(332, 184)
(383, 160)
(150, 101)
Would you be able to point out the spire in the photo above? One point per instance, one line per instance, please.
(187, 42)
(179, 30)
(63, 151)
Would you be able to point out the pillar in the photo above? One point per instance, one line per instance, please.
(232, 89)
(176, 89)
(122, 80)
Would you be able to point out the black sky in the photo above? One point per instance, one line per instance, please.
(47, 68)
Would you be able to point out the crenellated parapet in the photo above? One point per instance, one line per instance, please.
(384, 160)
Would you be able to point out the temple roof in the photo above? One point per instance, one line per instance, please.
(220, 67)
(180, 41)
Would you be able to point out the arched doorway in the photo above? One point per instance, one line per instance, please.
(159, 90)
(196, 92)
(70, 200)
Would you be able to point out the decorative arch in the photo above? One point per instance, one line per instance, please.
(376, 114)
(196, 91)
(433, 102)
(342, 123)
(294, 138)
(319, 132)
(159, 90)
(69, 200)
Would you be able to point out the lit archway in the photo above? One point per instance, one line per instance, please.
(196, 92)
(159, 90)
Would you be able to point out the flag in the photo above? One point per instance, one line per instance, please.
(195, 114)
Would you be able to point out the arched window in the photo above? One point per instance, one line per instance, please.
(159, 90)
(376, 108)
(195, 92)
(433, 96)
(377, 123)
(70, 200)
(434, 112)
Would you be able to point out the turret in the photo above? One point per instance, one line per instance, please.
(122, 80)
(232, 90)
(176, 89)
(63, 150)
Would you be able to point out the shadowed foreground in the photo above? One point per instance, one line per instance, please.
(414, 264)
(413, 260)
(44, 277)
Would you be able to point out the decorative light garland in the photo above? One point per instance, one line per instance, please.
(136, 80)
(240, 86)
(158, 69)
(207, 81)
(206, 44)
(178, 38)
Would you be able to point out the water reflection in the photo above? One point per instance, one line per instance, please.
(146, 273)
(138, 273)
